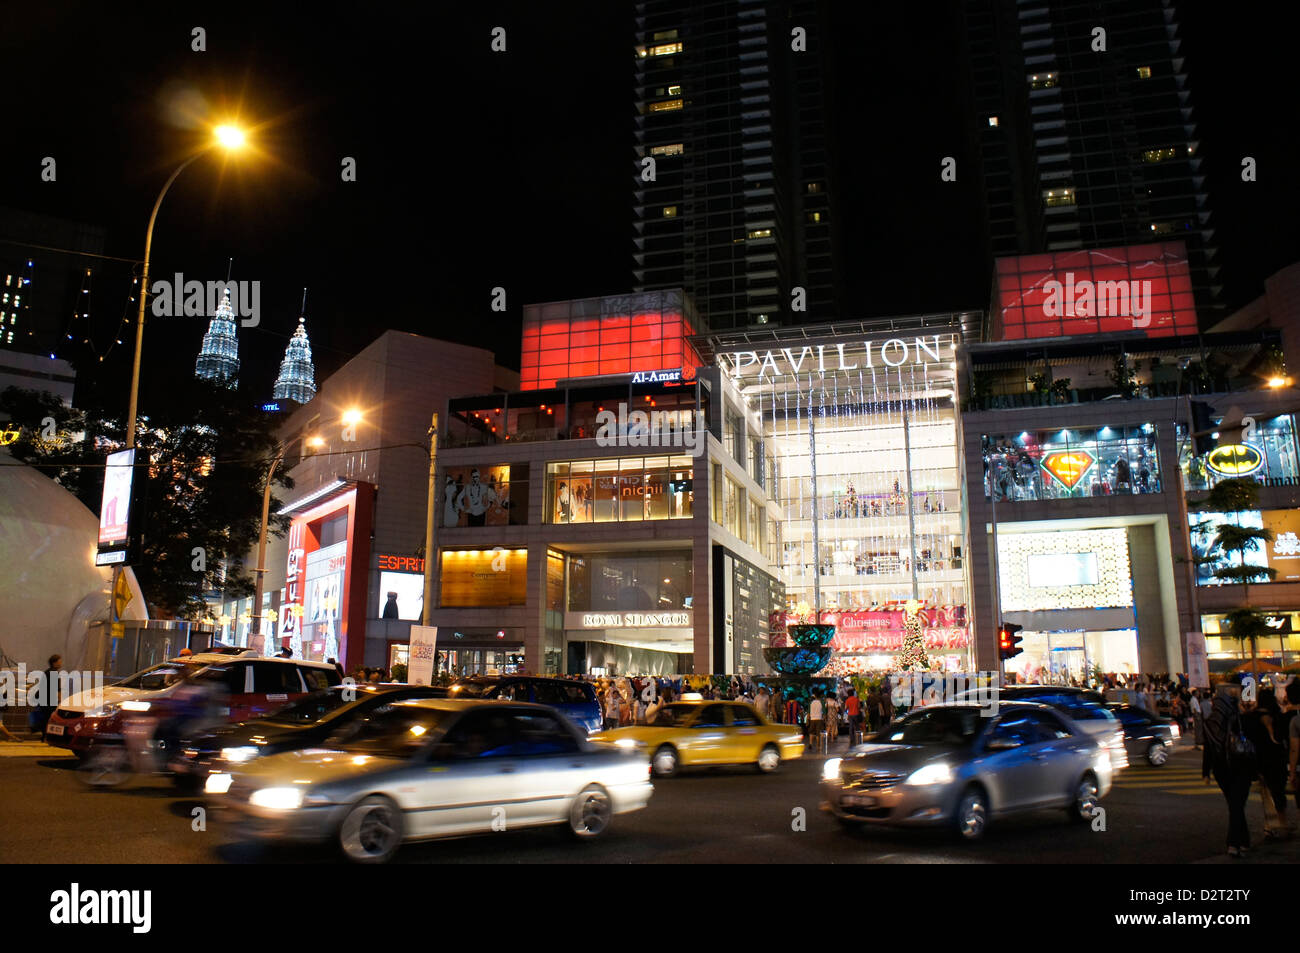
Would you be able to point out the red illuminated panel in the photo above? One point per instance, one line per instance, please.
(1146, 288)
(559, 344)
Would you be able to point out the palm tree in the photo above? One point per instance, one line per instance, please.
(1238, 495)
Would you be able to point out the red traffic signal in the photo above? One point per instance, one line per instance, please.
(1008, 641)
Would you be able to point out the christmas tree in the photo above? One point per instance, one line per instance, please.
(912, 658)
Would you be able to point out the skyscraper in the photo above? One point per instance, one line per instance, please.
(1083, 122)
(219, 357)
(732, 198)
(297, 378)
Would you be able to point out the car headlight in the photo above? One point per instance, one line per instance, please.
(938, 773)
(217, 783)
(1175, 731)
(277, 799)
(792, 740)
(136, 706)
(831, 769)
(103, 711)
(629, 743)
(239, 755)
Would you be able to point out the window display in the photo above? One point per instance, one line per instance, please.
(620, 489)
(1267, 455)
(1059, 464)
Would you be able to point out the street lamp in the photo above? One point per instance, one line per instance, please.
(230, 138)
(315, 442)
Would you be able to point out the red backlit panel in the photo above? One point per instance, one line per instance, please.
(565, 340)
(1095, 291)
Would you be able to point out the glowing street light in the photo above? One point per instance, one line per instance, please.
(228, 137)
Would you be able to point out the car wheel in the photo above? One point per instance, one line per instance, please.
(1085, 799)
(665, 761)
(769, 759)
(372, 831)
(972, 817)
(591, 813)
(1157, 754)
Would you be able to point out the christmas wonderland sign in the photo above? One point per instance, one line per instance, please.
(884, 630)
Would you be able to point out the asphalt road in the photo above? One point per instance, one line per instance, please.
(1153, 815)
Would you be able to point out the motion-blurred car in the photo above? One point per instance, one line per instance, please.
(433, 768)
(308, 721)
(577, 700)
(1083, 706)
(960, 765)
(691, 733)
(249, 684)
(1148, 737)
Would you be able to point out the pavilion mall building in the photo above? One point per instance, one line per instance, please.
(657, 498)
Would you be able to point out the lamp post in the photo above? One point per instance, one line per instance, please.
(229, 138)
(260, 571)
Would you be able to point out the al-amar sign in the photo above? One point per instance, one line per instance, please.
(1234, 460)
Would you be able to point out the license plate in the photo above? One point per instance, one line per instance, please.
(859, 800)
(54, 729)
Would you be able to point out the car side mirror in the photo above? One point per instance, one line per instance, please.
(1001, 744)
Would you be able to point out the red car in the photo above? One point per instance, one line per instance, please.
(252, 684)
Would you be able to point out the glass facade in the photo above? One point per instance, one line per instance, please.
(656, 581)
(1270, 458)
(1067, 464)
(620, 489)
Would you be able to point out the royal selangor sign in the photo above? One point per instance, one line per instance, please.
(631, 620)
(894, 352)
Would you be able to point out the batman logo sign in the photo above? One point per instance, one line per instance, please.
(1235, 460)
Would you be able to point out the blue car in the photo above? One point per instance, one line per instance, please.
(577, 700)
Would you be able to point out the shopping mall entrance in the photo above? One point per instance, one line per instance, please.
(1054, 657)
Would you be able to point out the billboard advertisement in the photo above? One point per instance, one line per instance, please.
(401, 595)
(115, 508)
(323, 599)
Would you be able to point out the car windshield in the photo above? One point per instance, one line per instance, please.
(674, 716)
(935, 726)
(159, 676)
(473, 689)
(392, 731)
(314, 707)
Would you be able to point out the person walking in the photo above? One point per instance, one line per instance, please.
(832, 719)
(1229, 759)
(1198, 719)
(47, 691)
(1259, 721)
(853, 706)
(816, 723)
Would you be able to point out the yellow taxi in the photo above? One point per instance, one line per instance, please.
(690, 733)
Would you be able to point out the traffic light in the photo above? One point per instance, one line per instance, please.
(1202, 428)
(1008, 641)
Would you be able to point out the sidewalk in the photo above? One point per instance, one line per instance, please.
(31, 749)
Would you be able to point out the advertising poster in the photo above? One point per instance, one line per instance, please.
(424, 648)
(115, 508)
(401, 596)
(476, 496)
(323, 602)
(1284, 550)
(1198, 665)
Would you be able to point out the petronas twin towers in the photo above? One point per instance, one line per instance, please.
(219, 357)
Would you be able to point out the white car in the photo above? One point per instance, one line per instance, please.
(434, 767)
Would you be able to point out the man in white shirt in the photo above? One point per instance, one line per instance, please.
(816, 722)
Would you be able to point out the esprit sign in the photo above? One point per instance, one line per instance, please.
(635, 620)
(895, 352)
(401, 563)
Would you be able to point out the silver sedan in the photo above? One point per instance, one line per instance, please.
(959, 765)
(418, 770)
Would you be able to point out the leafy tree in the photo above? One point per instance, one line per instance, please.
(200, 465)
(1238, 495)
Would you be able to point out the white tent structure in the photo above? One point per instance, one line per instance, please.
(50, 587)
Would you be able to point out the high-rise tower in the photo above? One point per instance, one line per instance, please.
(297, 379)
(731, 107)
(1083, 123)
(219, 357)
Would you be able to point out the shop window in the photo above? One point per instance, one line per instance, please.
(1270, 457)
(1059, 464)
(492, 577)
(1055, 197)
(626, 489)
(619, 582)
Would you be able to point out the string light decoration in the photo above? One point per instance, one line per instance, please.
(912, 657)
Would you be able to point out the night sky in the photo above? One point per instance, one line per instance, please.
(478, 169)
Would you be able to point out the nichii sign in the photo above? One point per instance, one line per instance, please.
(821, 358)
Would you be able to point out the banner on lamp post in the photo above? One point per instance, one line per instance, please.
(423, 651)
(1198, 665)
